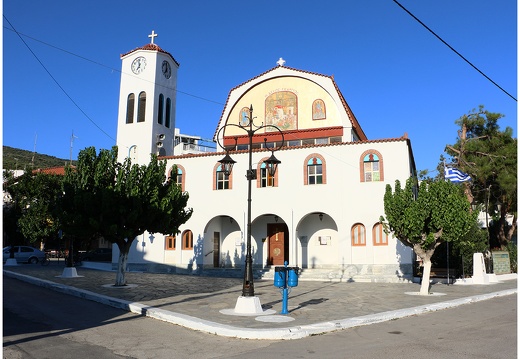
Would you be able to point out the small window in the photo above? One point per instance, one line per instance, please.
(371, 166)
(266, 180)
(379, 236)
(167, 121)
(178, 178)
(160, 112)
(177, 175)
(358, 235)
(170, 242)
(322, 141)
(141, 107)
(293, 143)
(187, 239)
(130, 105)
(315, 171)
(222, 179)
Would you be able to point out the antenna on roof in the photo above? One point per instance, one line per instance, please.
(34, 150)
(72, 145)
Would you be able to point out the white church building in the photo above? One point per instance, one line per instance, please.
(321, 209)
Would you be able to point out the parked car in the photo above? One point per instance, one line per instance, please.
(98, 255)
(24, 254)
(55, 253)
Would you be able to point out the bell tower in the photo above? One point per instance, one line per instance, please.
(147, 100)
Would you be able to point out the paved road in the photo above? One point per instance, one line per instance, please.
(483, 330)
(61, 326)
(315, 307)
(42, 323)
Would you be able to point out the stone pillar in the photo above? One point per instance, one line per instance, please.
(479, 271)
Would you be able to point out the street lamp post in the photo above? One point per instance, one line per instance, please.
(248, 288)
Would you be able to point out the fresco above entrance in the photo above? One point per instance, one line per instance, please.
(281, 110)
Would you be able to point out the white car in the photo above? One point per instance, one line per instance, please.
(24, 254)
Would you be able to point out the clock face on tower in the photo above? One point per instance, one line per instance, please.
(166, 69)
(138, 65)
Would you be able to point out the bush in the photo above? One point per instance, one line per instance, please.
(475, 241)
(512, 249)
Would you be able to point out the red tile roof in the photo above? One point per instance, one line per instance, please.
(403, 138)
(151, 47)
(60, 171)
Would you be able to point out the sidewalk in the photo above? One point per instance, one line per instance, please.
(314, 307)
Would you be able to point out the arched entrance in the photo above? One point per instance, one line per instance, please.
(277, 243)
(319, 241)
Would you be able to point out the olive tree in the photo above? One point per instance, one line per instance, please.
(426, 215)
(120, 201)
(31, 206)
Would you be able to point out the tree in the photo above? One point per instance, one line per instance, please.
(32, 205)
(424, 217)
(475, 241)
(424, 175)
(11, 212)
(120, 201)
(489, 156)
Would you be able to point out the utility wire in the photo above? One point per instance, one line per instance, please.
(110, 68)
(452, 49)
(20, 35)
(102, 65)
(57, 83)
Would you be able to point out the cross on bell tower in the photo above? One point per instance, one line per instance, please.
(152, 36)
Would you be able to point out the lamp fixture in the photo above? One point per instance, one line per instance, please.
(272, 164)
(227, 164)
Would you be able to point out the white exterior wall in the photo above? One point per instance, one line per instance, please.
(344, 200)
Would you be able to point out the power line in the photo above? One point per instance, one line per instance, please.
(57, 83)
(20, 35)
(103, 65)
(455, 51)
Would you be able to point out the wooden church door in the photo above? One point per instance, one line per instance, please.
(278, 243)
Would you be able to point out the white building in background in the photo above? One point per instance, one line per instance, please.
(319, 212)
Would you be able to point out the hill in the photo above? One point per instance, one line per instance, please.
(14, 158)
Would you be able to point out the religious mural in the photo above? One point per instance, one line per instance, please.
(244, 117)
(318, 110)
(281, 110)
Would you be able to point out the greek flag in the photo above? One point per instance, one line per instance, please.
(455, 175)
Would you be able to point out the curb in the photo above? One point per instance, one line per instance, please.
(288, 333)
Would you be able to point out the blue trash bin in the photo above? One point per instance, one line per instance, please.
(293, 277)
(279, 277)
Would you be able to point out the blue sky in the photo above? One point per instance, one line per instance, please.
(395, 75)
